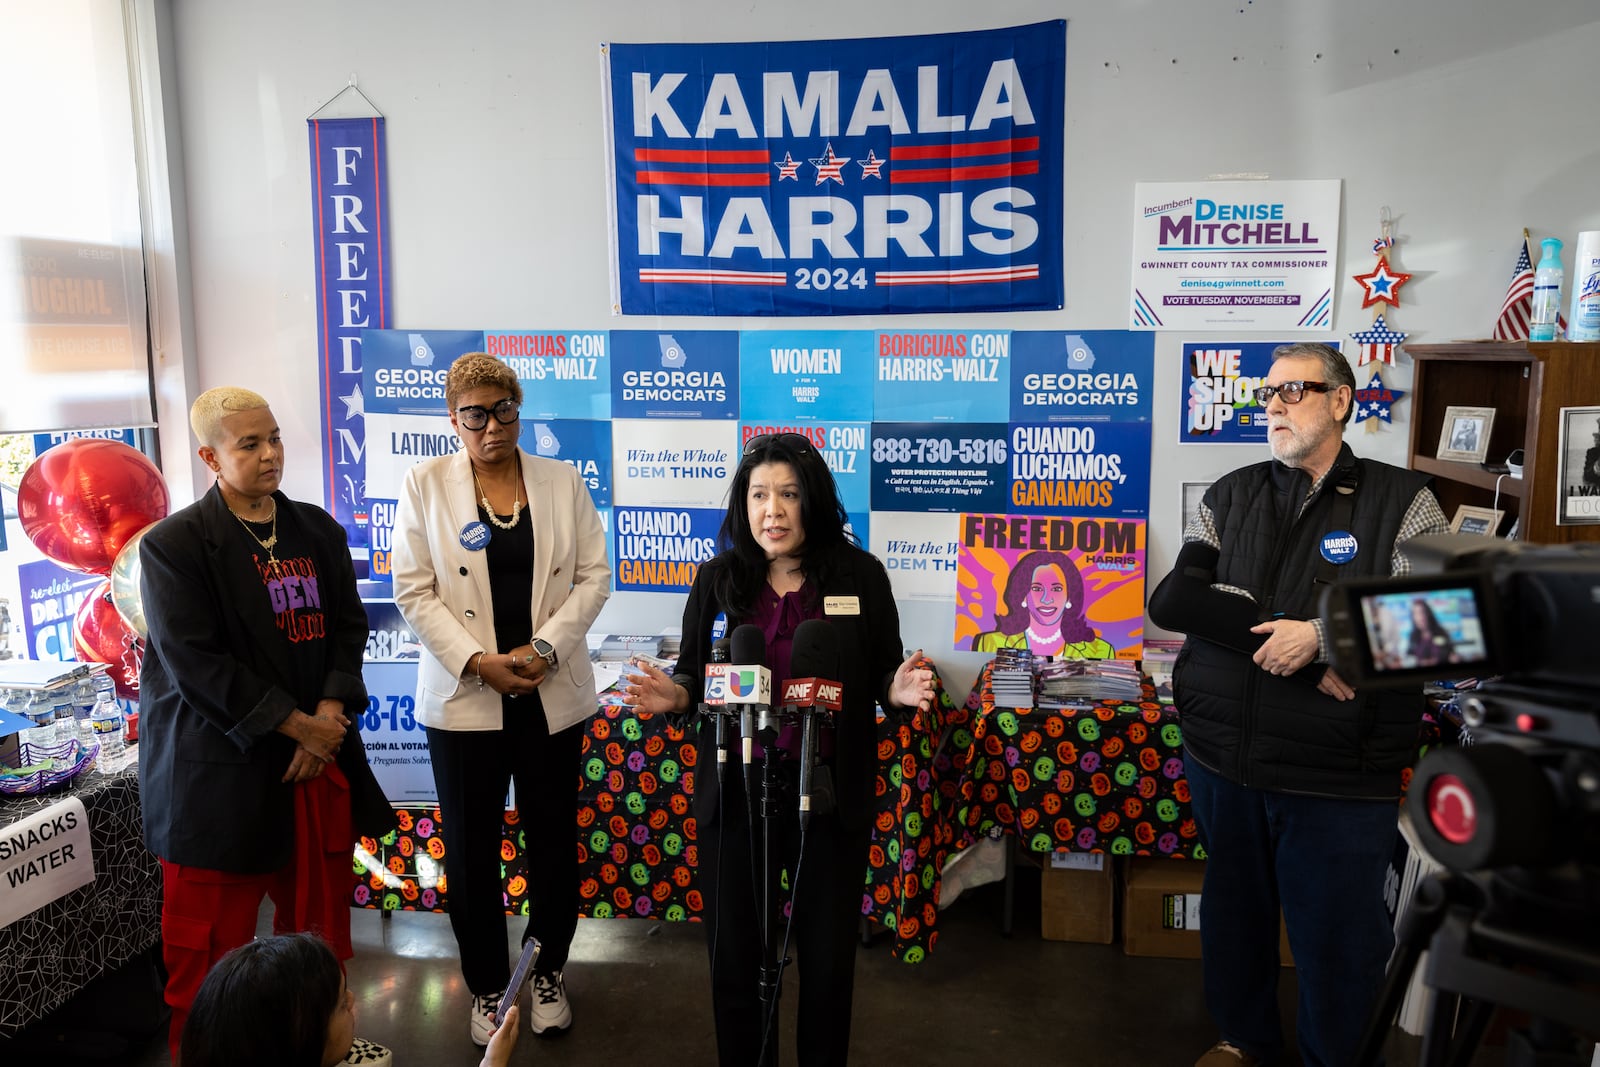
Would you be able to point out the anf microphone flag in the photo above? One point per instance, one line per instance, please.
(849, 177)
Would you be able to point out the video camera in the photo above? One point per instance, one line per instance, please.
(1513, 812)
(1477, 607)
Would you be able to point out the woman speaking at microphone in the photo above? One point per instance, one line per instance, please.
(786, 557)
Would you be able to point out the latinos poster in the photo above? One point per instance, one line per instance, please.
(1061, 586)
(1252, 255)
(844, 177)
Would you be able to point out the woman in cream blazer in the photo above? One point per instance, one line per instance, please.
(500, 568)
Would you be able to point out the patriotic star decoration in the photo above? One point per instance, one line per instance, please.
(830, 166)
(1376, 400)
(1377, 342)
(788, 168)
(872, 165)
(354, 404)
(1382, 285)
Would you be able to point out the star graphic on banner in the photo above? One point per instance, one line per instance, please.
(789, 168)
(872, 165)
(354, 404)
(1377, 342)
(1376, 400)
(1382, 285)
(830, 165)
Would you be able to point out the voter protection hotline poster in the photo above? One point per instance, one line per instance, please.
(837, 177)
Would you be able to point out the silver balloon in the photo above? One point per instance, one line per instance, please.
(125, 584)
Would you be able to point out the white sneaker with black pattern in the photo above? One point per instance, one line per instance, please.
(551, 1011)
(483, 1024)
(364, 1053)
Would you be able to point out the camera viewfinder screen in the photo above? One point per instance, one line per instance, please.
(1424, 628)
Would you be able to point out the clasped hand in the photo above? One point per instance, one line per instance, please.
(515, 673)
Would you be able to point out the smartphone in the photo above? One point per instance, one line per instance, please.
(519, 975)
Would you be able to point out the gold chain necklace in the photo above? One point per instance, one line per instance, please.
(516, 500)
(271, 541)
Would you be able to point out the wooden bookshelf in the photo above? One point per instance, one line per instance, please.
(1527, 384)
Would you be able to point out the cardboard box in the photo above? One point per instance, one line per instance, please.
(1161, 910)
(1076, 900)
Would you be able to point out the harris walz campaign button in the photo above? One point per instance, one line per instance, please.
(1339, 546)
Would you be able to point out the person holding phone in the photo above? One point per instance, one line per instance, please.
(500, 567)
(787, 557)
(283, 1002)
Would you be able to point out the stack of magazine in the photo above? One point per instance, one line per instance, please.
(1012, 678)
(1073, 682)
(625, 646)
(1160, 655)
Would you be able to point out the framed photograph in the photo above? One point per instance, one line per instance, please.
(1471, 520)
(1578, 501)
(1465, 436)
(1192, 493)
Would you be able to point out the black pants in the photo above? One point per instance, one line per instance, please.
(471, 770)
(827, 915)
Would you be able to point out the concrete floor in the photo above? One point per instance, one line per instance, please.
(640, 997)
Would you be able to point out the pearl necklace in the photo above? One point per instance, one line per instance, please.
(516, 501)
(272, 540)
(1042, 640)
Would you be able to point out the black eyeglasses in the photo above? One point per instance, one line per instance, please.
(476, 417)
(798, 442)
(1292, 392)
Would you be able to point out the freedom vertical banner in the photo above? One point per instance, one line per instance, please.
(349, 215)
(848, 177)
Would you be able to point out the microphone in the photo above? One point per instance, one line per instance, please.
(814, 694)
(749, 684)
(714, 700)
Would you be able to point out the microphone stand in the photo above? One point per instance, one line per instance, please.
(771, 862)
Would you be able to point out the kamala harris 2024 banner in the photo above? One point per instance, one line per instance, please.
(852, 177)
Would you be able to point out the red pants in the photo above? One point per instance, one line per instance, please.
(205, 914)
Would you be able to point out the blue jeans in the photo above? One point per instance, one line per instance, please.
(1323, 861)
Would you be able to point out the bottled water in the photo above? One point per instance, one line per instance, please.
(41, 710)
(107, 722)
(83, 697)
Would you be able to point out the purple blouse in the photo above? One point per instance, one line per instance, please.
(779, 617)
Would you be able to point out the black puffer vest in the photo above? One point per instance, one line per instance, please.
(1280, 733)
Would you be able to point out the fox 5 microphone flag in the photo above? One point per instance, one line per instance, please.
(846, 177)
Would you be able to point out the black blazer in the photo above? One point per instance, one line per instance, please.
(869, 654)
(212, 690)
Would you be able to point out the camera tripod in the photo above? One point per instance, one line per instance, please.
(1519, 939)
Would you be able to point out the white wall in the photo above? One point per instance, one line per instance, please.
(1462, 116)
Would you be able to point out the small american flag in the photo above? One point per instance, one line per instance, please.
(1515, 313)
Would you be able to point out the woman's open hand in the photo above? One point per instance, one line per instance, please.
(653, 690)
(913, 683)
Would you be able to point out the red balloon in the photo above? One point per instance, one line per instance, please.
(100, 635)
(82, 500)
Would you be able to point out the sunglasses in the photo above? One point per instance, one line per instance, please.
(1292, 392)
(793, 441)
(476, 417)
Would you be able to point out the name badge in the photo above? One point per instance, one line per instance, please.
(1339, 546)
(841, 605)
(475, 536)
